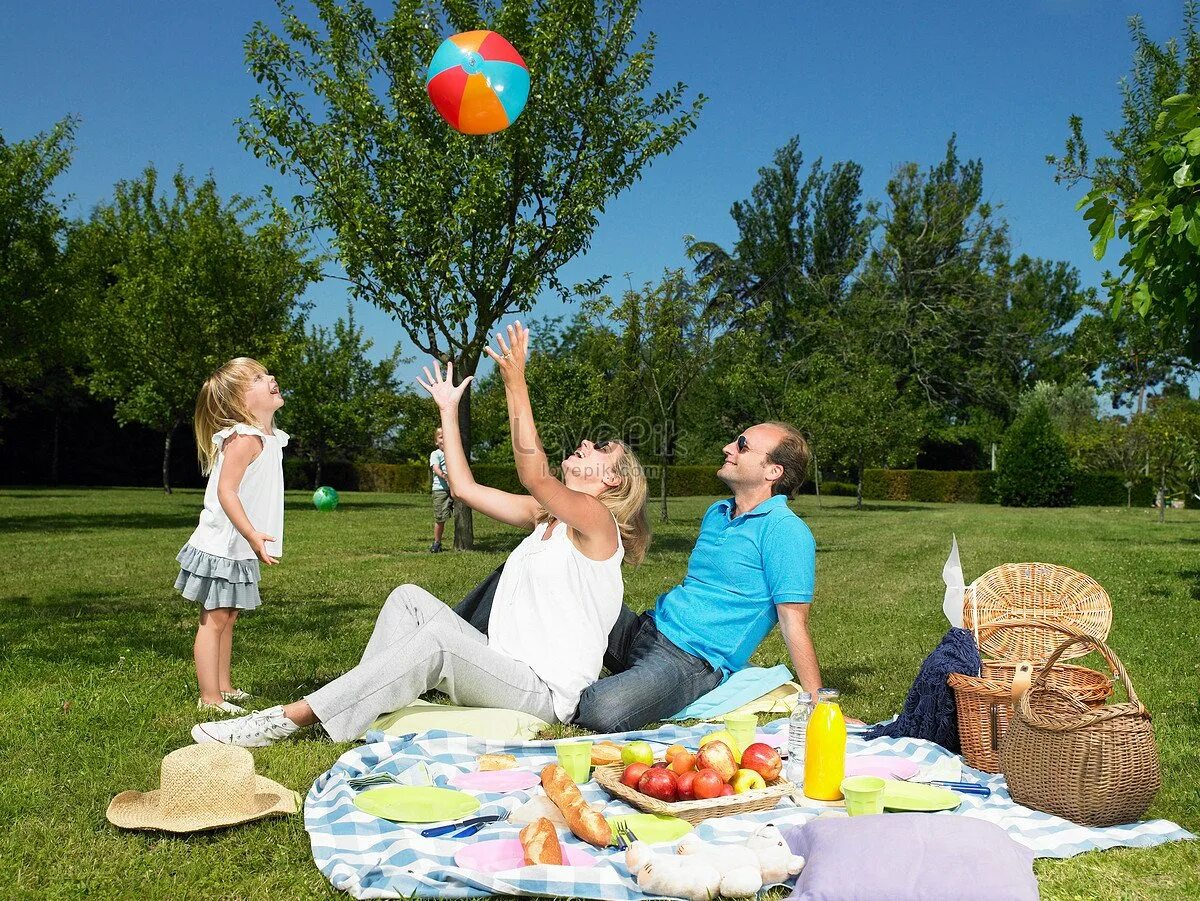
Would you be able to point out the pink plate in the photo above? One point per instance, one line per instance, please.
(506, 854)
(495, 780)
(881, 765)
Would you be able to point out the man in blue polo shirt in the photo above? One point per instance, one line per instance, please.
(754, 564)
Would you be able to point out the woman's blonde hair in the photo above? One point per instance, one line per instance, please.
(222, 403)
(627, 502)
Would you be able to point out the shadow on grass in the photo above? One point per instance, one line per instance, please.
(1192, 577)
(89, 522)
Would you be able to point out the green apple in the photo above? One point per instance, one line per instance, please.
(746, 780)
(637, 752)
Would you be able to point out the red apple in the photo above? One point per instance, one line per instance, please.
(716, 755)
(763, 759)
(726, 790)
(659, 783)
(685, 784)
(707, 784)
(633, 773)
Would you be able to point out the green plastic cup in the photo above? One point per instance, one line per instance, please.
(864, 795)
(576, 759)
(743, 727)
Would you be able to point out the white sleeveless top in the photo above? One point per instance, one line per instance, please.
(261, 494)
(553, 610)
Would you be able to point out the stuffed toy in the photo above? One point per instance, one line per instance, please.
(700, 870)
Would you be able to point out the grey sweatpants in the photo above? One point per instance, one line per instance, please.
(418, 644)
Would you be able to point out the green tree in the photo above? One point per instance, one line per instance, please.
(449, 232)
(1033, 467)
(937, 298)
(1172, 430)
(801, 239)
(676, 341)
(177, 283)
(340, 402)
(35, 299)
(1145, 191)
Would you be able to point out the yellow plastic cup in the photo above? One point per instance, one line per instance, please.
(576, 759)
(864, 795)
(743, 727)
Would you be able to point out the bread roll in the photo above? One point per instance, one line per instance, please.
(583, 822)
(605, 752)
(489, 762)
(540, 843)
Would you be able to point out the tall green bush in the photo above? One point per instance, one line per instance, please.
(1033, 468)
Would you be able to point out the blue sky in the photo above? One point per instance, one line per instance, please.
(879, 83)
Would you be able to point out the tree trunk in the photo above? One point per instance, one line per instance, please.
(1162, 496)
(816, 476)
(54, 451)
(317, 473)
(1128, 497)
(464, 526)
(166, 472)
(662, 471)
(858, 493)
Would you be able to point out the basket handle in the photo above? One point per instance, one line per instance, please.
(997, 625)
(1104, 650)
(1022, 679)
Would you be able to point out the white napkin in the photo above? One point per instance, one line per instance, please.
(952, 575)
(946, 769)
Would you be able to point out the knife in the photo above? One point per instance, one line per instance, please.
(477, 822)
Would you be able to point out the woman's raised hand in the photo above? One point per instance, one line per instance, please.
(445, 393)
(513, 353)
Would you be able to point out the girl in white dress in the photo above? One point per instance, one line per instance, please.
(242, 521)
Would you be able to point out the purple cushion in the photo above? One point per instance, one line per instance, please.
(910, 857)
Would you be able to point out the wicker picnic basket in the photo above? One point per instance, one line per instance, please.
(609, 778)
(984, 702)
(1093, 766)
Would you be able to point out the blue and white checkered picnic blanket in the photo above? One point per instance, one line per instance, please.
(373, 858)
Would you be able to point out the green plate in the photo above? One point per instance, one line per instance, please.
(652, 828)
(416, 803)
(899, 795)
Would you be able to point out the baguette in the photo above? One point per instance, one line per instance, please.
(489, 762)
(605, 752)
(583, 822)
(540, 843)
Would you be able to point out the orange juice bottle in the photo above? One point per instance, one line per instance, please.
(825, 750)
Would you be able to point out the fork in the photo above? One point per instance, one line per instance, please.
(624, 836)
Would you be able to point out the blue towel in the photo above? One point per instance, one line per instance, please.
(741, 688)
(929, 710)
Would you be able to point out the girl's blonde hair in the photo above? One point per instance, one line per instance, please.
(627, 502)
(222, 403)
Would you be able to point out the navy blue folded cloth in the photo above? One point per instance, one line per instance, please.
(929, 711)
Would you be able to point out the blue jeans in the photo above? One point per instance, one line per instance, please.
(651, 679)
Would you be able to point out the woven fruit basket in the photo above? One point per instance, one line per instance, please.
(609, 778)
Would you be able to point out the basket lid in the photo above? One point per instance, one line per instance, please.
(1041, 592)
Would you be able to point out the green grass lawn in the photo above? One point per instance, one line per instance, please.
(97, 684)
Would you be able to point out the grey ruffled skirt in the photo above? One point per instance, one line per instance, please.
(217, 582)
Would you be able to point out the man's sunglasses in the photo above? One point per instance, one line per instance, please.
(741, 444)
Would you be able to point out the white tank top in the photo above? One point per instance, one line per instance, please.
(261, 494)
(553, 610)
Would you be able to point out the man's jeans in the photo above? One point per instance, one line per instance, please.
(651, 679)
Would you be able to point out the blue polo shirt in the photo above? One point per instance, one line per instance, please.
(739, 570)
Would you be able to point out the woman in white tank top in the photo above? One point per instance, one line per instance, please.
(557, 599)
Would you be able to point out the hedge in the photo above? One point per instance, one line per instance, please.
(924, 485)
(933, 486)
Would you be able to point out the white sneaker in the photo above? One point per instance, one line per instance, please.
(258, 730)
(236, 695)
(223, 707)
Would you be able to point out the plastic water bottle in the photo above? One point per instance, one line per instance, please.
(797, 736)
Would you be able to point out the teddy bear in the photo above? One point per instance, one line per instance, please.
(700, 870)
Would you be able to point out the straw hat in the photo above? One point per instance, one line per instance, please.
(202, 787)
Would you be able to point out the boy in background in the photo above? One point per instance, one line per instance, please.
(443, 505)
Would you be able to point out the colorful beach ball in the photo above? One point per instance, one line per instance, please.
(478, 82)
(325, 498)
